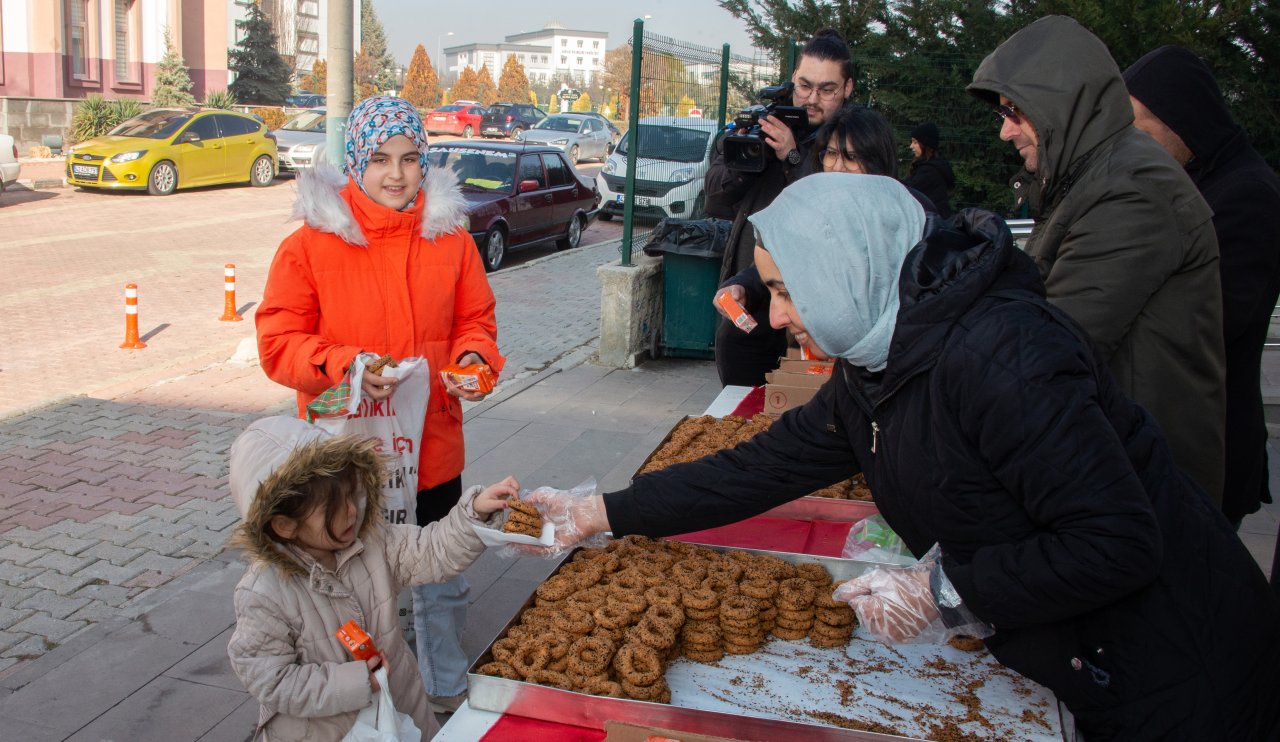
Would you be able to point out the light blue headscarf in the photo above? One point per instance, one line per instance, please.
(839, 241)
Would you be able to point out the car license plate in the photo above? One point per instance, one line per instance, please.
(85, 171)
(491, 130)
(642, 201)
(437, 118)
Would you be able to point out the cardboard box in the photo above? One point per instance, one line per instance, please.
(621, 731)
(797, 366)
(786, 390)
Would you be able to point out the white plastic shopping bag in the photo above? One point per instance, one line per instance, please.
(380, 722)
(396, 422)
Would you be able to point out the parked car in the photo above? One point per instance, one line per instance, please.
(9, 165)
(509, 119)
(305, 99)
(580, 137)
(456, 118)
(614, 132)
(518, 195)
(672, 159)
(169, 148)
(299, 138)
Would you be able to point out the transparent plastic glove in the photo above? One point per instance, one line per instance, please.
(578, 515)
(910, 605)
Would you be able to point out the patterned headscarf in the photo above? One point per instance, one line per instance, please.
(371, 123)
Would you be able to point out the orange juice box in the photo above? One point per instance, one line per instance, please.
(356, 641)
(737, 314)
(477, 377)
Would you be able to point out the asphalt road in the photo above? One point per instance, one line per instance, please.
(69, 253)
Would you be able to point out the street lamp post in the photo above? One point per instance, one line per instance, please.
(440, 61)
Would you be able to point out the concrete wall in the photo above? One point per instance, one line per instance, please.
(28, 119)
(630, 309)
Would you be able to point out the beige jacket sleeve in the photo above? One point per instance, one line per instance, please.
(437, 551)
(263, 657)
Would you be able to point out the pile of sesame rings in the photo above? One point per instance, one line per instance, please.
(696, 437)
(610, 620)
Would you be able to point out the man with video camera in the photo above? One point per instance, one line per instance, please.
(750, 178)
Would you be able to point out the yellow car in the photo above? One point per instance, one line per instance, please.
(169, 148)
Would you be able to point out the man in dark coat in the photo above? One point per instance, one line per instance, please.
(1123, 239)
(1177, 101)
(823, 80)
(985, 424)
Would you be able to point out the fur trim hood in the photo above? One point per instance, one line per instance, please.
(321, 205)
(275, 457)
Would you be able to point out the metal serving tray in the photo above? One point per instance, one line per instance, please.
(802, 508)
(505, 696)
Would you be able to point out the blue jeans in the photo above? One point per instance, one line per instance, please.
(439, 613)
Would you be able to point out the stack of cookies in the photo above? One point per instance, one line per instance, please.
(610, 620)
(523, 519)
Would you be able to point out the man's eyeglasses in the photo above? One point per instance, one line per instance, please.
(1010, 113)
(805, 89)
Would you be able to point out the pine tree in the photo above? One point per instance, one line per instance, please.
(173, 84)
(513, 85)
(373, 38)
(467, 87)
(583, 103)
(488, 93)
(421, 88)
(262, 77)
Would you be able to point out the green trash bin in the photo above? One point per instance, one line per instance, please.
(691, 250)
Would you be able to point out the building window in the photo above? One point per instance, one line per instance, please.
(125, 40)
(564, 42)
(579, 61)
(564, 59)
(595, 45)
(579, 43)
(78, 46)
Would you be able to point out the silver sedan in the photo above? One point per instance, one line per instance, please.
(580, 137)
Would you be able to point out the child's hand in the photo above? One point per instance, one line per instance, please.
(494, 497)
(373, 663)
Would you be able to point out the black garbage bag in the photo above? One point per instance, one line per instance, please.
(703, 238)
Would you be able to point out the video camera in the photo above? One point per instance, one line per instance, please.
(744, 147)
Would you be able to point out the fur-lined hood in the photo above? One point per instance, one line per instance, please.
(321, 204)
(275, 457)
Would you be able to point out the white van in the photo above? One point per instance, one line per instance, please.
(673, 158)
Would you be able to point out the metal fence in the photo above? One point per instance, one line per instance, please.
(682, 93)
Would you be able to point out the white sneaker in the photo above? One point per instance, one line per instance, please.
(446, 704)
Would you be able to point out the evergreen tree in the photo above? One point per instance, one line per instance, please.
(513, 85)
(173, 84)
(364, 74)
(421, 88)
(262, 77)
(582, 104)
(488, 91)
(467, 87)
(373, 38)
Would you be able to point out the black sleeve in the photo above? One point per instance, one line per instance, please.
(1249, 250)
(725, 188)
(757, 292)
(796, 456)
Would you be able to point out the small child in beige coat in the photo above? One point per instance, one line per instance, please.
(320, 555)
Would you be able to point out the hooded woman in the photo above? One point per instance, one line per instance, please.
(986, 426)
(384, 264)
(930, 172)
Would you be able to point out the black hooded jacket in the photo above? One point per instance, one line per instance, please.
(933, 178)
(1244, 194)
(996, 432)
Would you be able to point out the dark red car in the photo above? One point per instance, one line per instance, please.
(518, 195)
(456, 118)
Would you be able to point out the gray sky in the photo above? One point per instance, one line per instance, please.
(412, 22)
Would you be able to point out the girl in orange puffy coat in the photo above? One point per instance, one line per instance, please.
(383, 264)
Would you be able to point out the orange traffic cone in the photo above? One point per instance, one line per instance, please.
(131, 341)
(229, 313)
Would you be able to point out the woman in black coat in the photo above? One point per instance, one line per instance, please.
(986, 425)
(930, 172)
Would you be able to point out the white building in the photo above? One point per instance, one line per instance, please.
(301, 28)
(547, 53)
